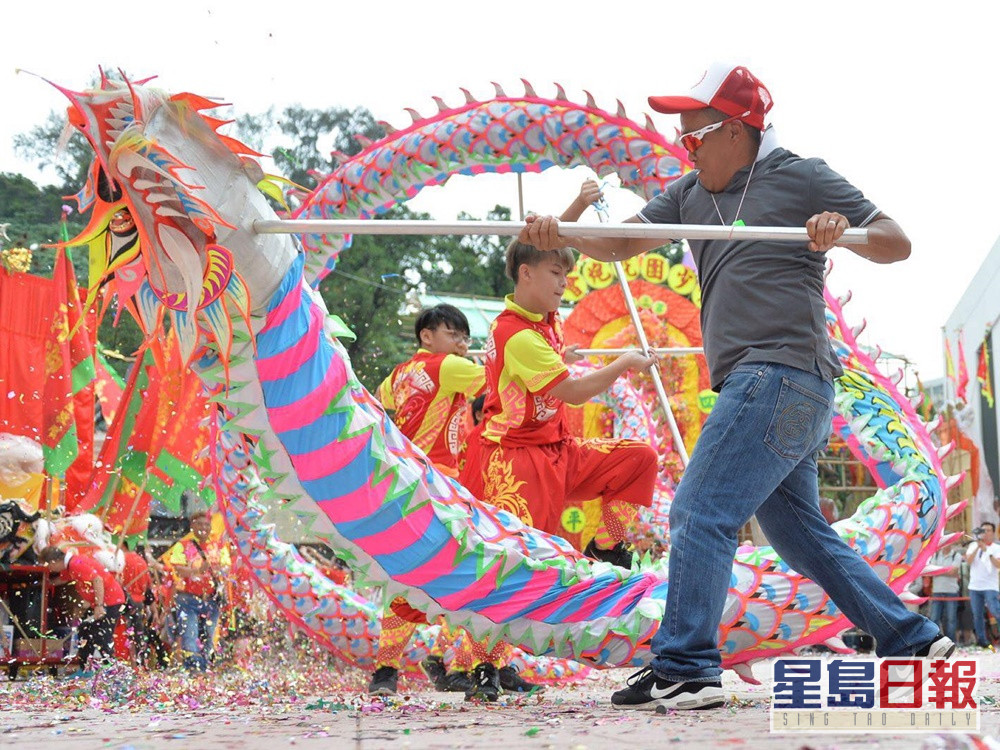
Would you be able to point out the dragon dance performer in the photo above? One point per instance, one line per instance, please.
(470, 458)
(428, 394)
(531, 465)
(763, 325)
(96, 587)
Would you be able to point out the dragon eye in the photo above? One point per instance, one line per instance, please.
(107, 189)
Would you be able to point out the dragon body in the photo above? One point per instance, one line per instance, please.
(254, 330)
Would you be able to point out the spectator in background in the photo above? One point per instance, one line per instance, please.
(945, 589)
(828, 507)
(201, 566)
(983, 556)
(137, 582)
(333, 568)
(98, 588)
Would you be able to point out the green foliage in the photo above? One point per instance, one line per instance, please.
(41, 145)
(34, 215)
(471, 264)
(369, 289)
(121, 340)
(373, 278)
(293, 138)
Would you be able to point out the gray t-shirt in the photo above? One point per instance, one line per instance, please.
(762, 301)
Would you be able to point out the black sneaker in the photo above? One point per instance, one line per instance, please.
(383, 681)
(456, 682)
(647, 691)
(485, 684)
(941, 647)
(859, 640)
(512, 682)
(436, 672)
(619, 555)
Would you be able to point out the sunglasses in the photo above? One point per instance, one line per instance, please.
(692, 141)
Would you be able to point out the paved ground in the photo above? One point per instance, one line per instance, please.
(256, 713)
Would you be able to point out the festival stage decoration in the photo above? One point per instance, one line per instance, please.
(630, 408)
(253, 328)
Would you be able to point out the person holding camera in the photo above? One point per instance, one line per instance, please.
(983, 557)
(200, 565)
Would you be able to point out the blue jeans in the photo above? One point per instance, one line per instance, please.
(978, 600)
(945, 614)
(192, 611)
(757, 455)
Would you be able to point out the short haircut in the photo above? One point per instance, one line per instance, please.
(719, 116)
(431, 318)
(520, 253)
(200, 514)
(51, 554)
(990, 524)
(477, 406)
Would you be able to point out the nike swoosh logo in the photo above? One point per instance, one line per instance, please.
(656, 692)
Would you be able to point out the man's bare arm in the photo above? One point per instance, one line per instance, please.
(887, 243)
(543, 232)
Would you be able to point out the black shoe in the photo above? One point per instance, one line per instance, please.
(647, 691)
(618, 555)
(436, 672)
(940, 647)
(456, 682)
(512, 682)
(383, 681)
(859, 640)
(485, 684)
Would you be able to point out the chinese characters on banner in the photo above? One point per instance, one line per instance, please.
(659, 267)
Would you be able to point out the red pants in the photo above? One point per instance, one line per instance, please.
(399, 623)
(536, 482)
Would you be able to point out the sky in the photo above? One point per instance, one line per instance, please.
(898, 100)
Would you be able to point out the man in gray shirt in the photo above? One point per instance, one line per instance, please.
(769, 357)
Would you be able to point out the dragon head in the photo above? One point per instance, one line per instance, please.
(173, 203)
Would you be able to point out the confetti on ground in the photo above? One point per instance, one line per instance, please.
(297, 697)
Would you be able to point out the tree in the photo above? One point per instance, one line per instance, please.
(41, 145)
(34, 215)
(472, 264)
(296, 149)
(369, 289)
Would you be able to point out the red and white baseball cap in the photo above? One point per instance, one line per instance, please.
(731, 89)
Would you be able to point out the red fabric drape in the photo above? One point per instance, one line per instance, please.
(26, 306)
